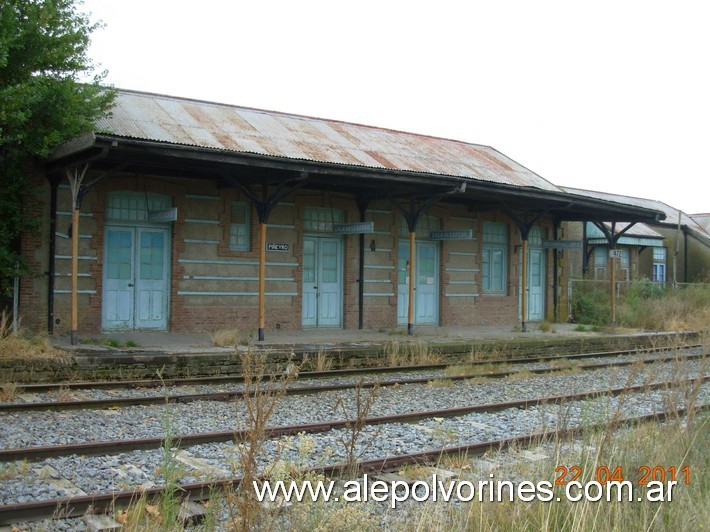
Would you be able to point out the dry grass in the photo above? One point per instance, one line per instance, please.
(475, 369)
(648, 444)
(8, 392)
(488, 351)
(321, 362)
(24, 345)
(260, 399)
(226, 338)
(547, 327)
(410, 353)
(14, 470)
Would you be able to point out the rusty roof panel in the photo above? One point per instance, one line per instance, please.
(243, 130)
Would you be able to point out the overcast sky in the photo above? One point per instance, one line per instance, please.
(604, 95)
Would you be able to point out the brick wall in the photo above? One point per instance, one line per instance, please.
(205, 274)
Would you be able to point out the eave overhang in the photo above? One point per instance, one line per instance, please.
(150, 157)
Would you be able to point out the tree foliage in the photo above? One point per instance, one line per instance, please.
(43, 102)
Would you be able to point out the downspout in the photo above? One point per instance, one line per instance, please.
(524, 284)
(585, 257)
(262, 277)
(412, 271)
(54, 186)
(362, 205)
(555, 266)
(685, 254)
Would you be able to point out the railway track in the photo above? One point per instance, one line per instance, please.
(187, 440)
(103, 502)
(305, 390)
(129, 449)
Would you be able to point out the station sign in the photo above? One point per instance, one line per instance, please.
(166, 215)
(562, 244)
(271, 246)
(463, 234)
(359, 228)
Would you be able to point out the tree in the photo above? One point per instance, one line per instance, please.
(43, 102)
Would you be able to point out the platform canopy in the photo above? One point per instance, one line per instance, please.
(177, 137)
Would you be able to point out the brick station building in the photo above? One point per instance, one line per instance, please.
(192, 216)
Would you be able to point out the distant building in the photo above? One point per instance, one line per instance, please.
(674, 249)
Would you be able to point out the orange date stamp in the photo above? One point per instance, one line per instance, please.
(642, 476)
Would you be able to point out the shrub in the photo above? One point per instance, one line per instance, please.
(591, 306)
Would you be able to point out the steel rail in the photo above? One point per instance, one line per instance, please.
(305, 390)
(102, 502)
(189, 440)
(229, 379)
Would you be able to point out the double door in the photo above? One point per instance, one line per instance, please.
(322, 282)
(136, 278)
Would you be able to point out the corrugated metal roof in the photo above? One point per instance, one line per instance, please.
(235, 129)
(670, 212)
(639, 229)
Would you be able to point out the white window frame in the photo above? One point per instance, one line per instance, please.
(494, 261)
(659, 264)
(240, 233)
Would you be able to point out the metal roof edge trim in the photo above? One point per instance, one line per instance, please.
(705, 239)
(630, 241)
(307, 165)
(561, 196)
(659, 215)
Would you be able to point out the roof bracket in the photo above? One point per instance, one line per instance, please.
(524, 225)
(266, 204)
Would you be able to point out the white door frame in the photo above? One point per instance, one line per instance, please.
(322, 302)
(134, 298)
(424, 286)
(536, 282)
(536, 291)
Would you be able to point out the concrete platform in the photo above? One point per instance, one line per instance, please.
(316, 339)
(143, 355)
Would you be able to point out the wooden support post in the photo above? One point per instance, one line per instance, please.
(412, 270)
(262, 280)
(75, 276)
(555, 273)
(524, 283)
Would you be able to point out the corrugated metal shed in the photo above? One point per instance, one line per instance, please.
(234, 129)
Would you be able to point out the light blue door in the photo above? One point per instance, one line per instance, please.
(151, 281)
(536, 284)
(322, 282)
(136, 278)
(426, 288)
(119, 278)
